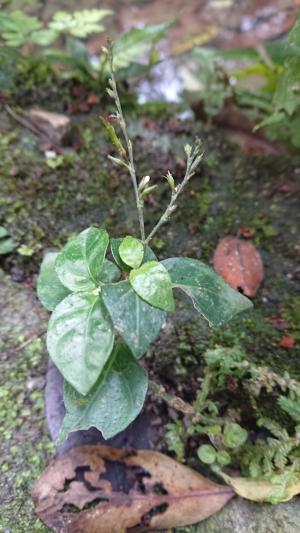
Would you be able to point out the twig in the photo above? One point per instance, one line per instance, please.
(29, 341)
(194, 157)
(173, 401)
(25, 123)
(130, 165)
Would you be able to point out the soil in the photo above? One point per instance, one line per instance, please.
(42, 207)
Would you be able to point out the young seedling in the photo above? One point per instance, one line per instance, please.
(93, 305)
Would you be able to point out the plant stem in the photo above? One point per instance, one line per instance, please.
(192, 163)
(173, 401)
(130, 166)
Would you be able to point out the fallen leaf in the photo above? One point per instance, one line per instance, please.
(252, 144)
(99, 489)
(92, 99)
(84, 107)
(262, 490)
(279, 323)
(247, 232)
(287, 341)
(205, 35)
(238, 127)
(240, 264)
(54, 126)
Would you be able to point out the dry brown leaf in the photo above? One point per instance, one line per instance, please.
(54, 126)
(206, 34)
(240, 264)
(261, 490)
(252, 144)
(99, 489)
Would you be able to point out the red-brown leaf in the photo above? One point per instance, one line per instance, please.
(247, 232)
(279, 323)
(154, 491)
(240, 264)
(287, 341)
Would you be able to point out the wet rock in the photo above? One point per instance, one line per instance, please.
(55, 127)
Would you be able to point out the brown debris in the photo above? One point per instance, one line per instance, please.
(78, 494)
(240, 264)
(54, 126)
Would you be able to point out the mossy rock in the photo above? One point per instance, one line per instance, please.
(25, 447)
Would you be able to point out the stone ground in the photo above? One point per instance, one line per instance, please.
(25, 444)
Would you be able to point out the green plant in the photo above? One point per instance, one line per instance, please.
(7, 244)
(106, 313)
(74, 59)
(18, 29)
(275, 105)
(174, 438)
(271, 453)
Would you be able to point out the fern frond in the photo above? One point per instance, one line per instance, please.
(276, 429)
(281, 457)
(291, 407)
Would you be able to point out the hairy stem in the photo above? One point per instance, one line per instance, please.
(130, 165)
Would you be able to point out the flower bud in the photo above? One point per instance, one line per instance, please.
(144, 182)
(148, 190)
(170, 180)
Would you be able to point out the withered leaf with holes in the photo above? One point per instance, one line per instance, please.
(98, 489)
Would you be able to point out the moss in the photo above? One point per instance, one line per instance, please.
(25, 447)
(155, 110)
(291, 313)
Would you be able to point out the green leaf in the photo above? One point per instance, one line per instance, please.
(115, 245)
(137, 322)
(207, 454)
(211, 296)
(149, 255)
(80, 339)
(291, 407)
(44, 37)
(80, 54)
(223, 458)
(113, 403)
(79, 263)
(80, 23)
(16, 27)
(49, 288)
(234, 435)
(7, 245)
(153, 284)
(131, 251)
(110, 272)
(3, 232)
(135, 43)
